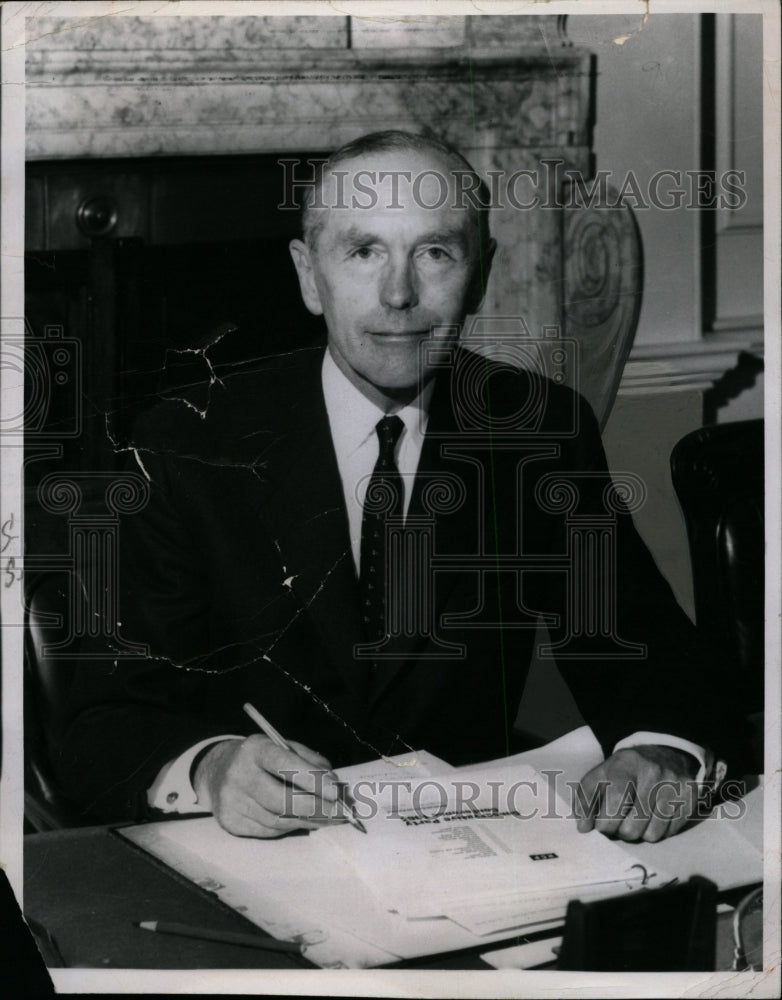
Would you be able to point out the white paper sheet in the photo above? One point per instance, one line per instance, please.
(473, 836)
(727, 847)
(523, 956)
(520, 912)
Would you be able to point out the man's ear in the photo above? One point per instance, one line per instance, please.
(480, 281)
(302, 261)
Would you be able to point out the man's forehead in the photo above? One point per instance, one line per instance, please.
(413, 166)
(393, 188)
(352, 231)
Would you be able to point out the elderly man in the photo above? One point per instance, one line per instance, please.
(260, 571)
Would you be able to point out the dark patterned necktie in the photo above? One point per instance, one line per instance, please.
(383, 501)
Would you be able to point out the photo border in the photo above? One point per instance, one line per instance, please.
(384, 982)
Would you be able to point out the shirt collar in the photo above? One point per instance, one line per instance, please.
(353, 417)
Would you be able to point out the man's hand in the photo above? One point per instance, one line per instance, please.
(642, 793)
(243, 783)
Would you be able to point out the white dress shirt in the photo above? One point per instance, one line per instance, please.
(352, 420)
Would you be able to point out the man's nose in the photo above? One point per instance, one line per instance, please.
(399, 286)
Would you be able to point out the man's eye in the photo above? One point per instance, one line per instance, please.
(436, 253)
(363, 253)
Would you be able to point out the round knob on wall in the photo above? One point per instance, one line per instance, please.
(97, 216)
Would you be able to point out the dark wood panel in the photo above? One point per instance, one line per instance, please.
(163, 200)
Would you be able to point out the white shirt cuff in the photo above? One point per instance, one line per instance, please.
(172, 791)
(704, 757)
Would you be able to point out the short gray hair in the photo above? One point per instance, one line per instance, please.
(382, 142)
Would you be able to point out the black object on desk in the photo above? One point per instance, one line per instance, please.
(673, 929)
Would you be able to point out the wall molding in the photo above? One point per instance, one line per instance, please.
(687, 367)
(75, 68)
(150, 101)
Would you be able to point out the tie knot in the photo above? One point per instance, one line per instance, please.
(388, 431)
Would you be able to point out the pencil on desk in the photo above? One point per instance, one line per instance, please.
(224, 937)
(265, 726)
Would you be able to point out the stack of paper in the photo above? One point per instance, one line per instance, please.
(489, 842)
(453, 858)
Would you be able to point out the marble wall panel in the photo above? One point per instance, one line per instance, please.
(311, 110)
(505, 30)
(124, 32)
(406, 31)
(526, 279)
(190, 34)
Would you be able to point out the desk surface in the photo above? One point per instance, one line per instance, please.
(89, 887)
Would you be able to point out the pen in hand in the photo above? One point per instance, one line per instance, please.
(265, 726)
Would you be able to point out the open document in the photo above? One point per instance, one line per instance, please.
(477, 836)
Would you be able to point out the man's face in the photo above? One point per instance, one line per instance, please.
(384, 274)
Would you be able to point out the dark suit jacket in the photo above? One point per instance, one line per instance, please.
(239, 577)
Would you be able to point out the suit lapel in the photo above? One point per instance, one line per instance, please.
(304, 512)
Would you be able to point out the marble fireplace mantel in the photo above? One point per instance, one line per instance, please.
(137, 86)
(507, 107)
(114, 103)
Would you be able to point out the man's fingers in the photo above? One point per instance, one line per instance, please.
(250, 819)
(670, 809)
(311, 756)
(292, 767)
(258, 789)
(282, 794)
(588, 799)
(656, 829)
(277, 823)
(257, 812)
(637, 794)
(619, 803)
(673, 809)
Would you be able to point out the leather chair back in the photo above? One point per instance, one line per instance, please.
(46, 681)
(718, 476)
